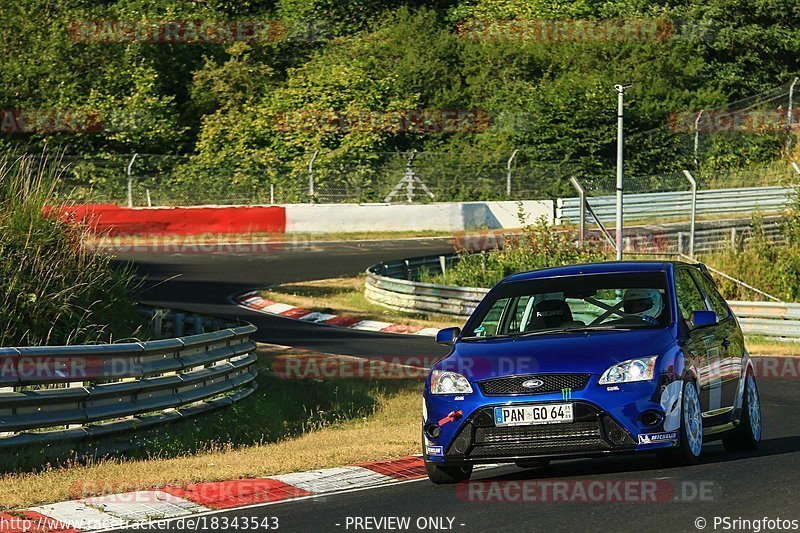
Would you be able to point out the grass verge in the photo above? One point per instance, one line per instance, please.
(285, 426)
(345, 296)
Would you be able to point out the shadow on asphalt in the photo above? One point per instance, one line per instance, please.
(713, 454)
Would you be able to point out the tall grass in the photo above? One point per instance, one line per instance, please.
(53, 290)
(761, 263)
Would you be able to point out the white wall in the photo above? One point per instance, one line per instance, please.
(455, 216)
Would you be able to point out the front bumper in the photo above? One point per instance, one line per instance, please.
(591, 432)
(607, 420)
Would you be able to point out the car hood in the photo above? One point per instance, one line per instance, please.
(590, 352)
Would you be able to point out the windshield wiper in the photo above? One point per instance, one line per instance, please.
(597, 328)
(534, 333)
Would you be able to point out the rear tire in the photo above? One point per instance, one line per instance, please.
(748, 434)
(447, 475)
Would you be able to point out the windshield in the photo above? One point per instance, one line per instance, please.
(552, 305)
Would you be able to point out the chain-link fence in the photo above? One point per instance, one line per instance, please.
(393, 177)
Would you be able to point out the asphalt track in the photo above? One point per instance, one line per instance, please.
(751, 486)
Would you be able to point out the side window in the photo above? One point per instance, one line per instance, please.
(717, 302)
(491, 321)
(688, 294)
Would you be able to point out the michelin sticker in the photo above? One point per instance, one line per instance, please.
(656, 438)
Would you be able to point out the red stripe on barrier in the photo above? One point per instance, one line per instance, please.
(404, 468)
(295, 312)
(401, 328)
(226, 494)
(261, 304)
(342, 321)
(114, 220)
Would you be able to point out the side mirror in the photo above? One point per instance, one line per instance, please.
(701, 319)
(447, 336)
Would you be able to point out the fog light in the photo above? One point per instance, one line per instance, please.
(433, 431)
(652, 418)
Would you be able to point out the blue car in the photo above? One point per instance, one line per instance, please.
(588, 361)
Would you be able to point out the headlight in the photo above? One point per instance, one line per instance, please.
(443, 382)
(634, 370)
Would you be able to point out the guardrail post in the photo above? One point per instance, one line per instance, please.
(693, 183)
(198, 324)
(177, 324)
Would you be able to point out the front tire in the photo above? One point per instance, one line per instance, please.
(691, 432)
(748, 434)
(447, 475)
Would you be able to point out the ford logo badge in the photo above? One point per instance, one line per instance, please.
(532, 383)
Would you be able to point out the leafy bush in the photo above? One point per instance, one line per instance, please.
(539, 246)
(52, 289)
(762, 264)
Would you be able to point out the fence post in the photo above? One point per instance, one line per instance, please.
(443, 263)
(158, 323)
(693, 183)
(311, 175)
(582, 201)
(680, 242)
(697, 136)
(789, 114)
(508, 174)
(733, 238)
(130, 180)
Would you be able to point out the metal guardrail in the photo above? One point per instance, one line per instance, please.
(391, 284)
(50, 394)
(668, 204)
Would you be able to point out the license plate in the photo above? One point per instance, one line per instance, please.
(529, 415)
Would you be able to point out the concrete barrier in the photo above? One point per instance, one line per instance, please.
(455, 216)
(303, 218)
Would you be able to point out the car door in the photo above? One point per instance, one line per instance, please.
(702, 347)
(731, 341)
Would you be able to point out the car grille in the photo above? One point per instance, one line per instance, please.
(550, 383)
(591, 431)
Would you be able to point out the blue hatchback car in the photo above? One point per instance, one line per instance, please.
(588, 361)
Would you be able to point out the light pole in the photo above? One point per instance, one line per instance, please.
(620, 102)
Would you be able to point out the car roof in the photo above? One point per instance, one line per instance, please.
(605, 267)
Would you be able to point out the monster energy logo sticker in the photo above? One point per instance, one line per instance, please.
(566, 393)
